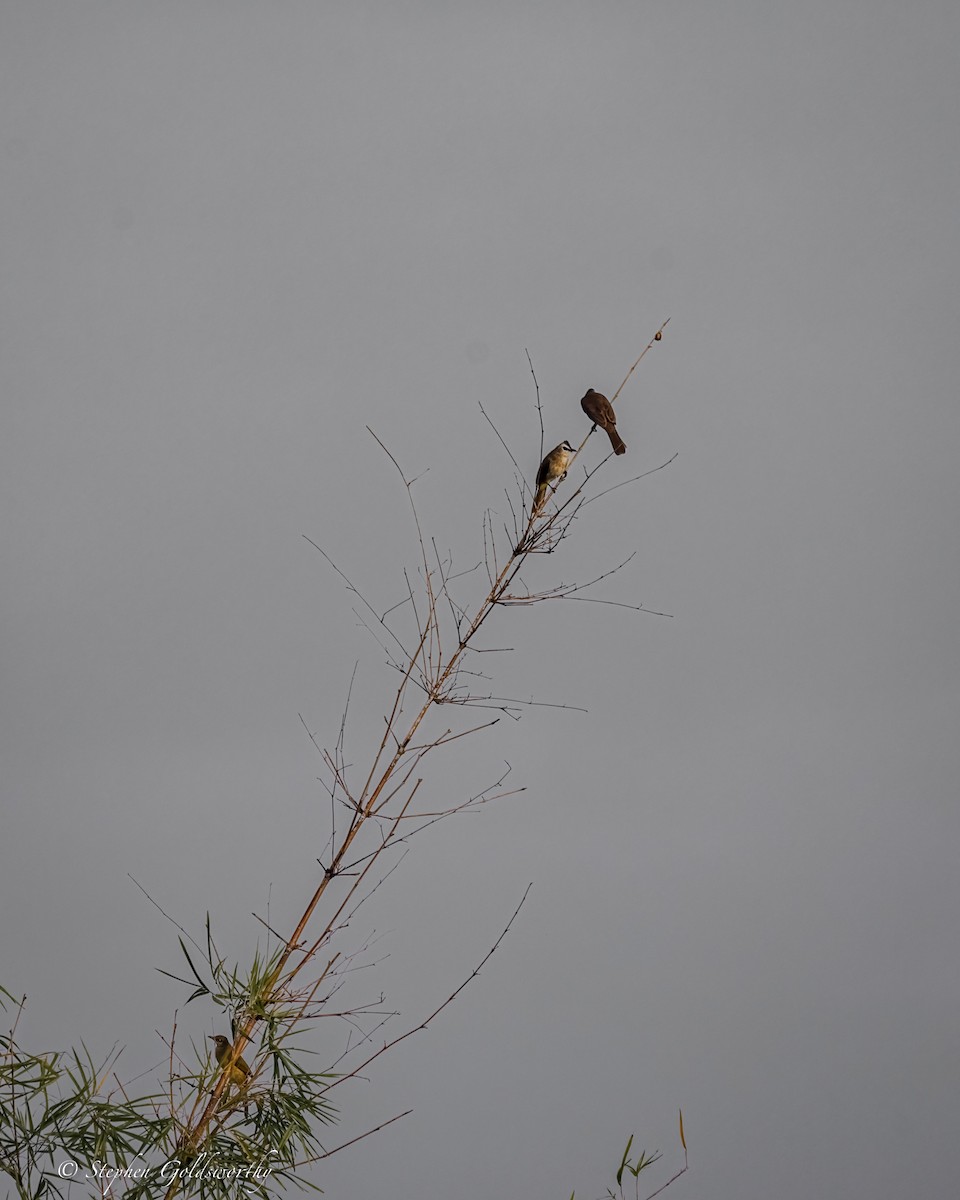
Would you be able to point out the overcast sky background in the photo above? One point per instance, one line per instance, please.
(233, 236)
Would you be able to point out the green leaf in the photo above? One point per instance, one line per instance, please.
(186, 955)
(624, 1163)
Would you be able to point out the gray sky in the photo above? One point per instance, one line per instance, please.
(233, 236)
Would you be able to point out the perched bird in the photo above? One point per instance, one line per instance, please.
(600, 411)
(552, 470)
(239, 1071)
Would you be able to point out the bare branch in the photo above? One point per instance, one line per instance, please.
(643, 475)
(353, 1141)
(439, 1009)
(658, 336)
(427, 647)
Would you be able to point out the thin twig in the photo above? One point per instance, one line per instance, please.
(656, 338)
(439, 1009)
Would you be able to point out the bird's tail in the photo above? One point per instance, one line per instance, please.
(616, 441)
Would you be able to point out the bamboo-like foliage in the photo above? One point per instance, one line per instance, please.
(57, 1105)
(629, 1169)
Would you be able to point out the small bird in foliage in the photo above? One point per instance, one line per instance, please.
(600, 411)
(239, 1071)
(552, 470)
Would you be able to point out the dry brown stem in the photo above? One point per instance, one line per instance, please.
(372, 814)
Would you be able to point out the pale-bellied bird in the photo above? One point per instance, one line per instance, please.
(552, 470)
(239, 1071)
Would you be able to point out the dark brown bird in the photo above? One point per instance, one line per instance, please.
(600, 411)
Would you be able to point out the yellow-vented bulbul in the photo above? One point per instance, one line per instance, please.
(552, 470)
(239, 1071)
